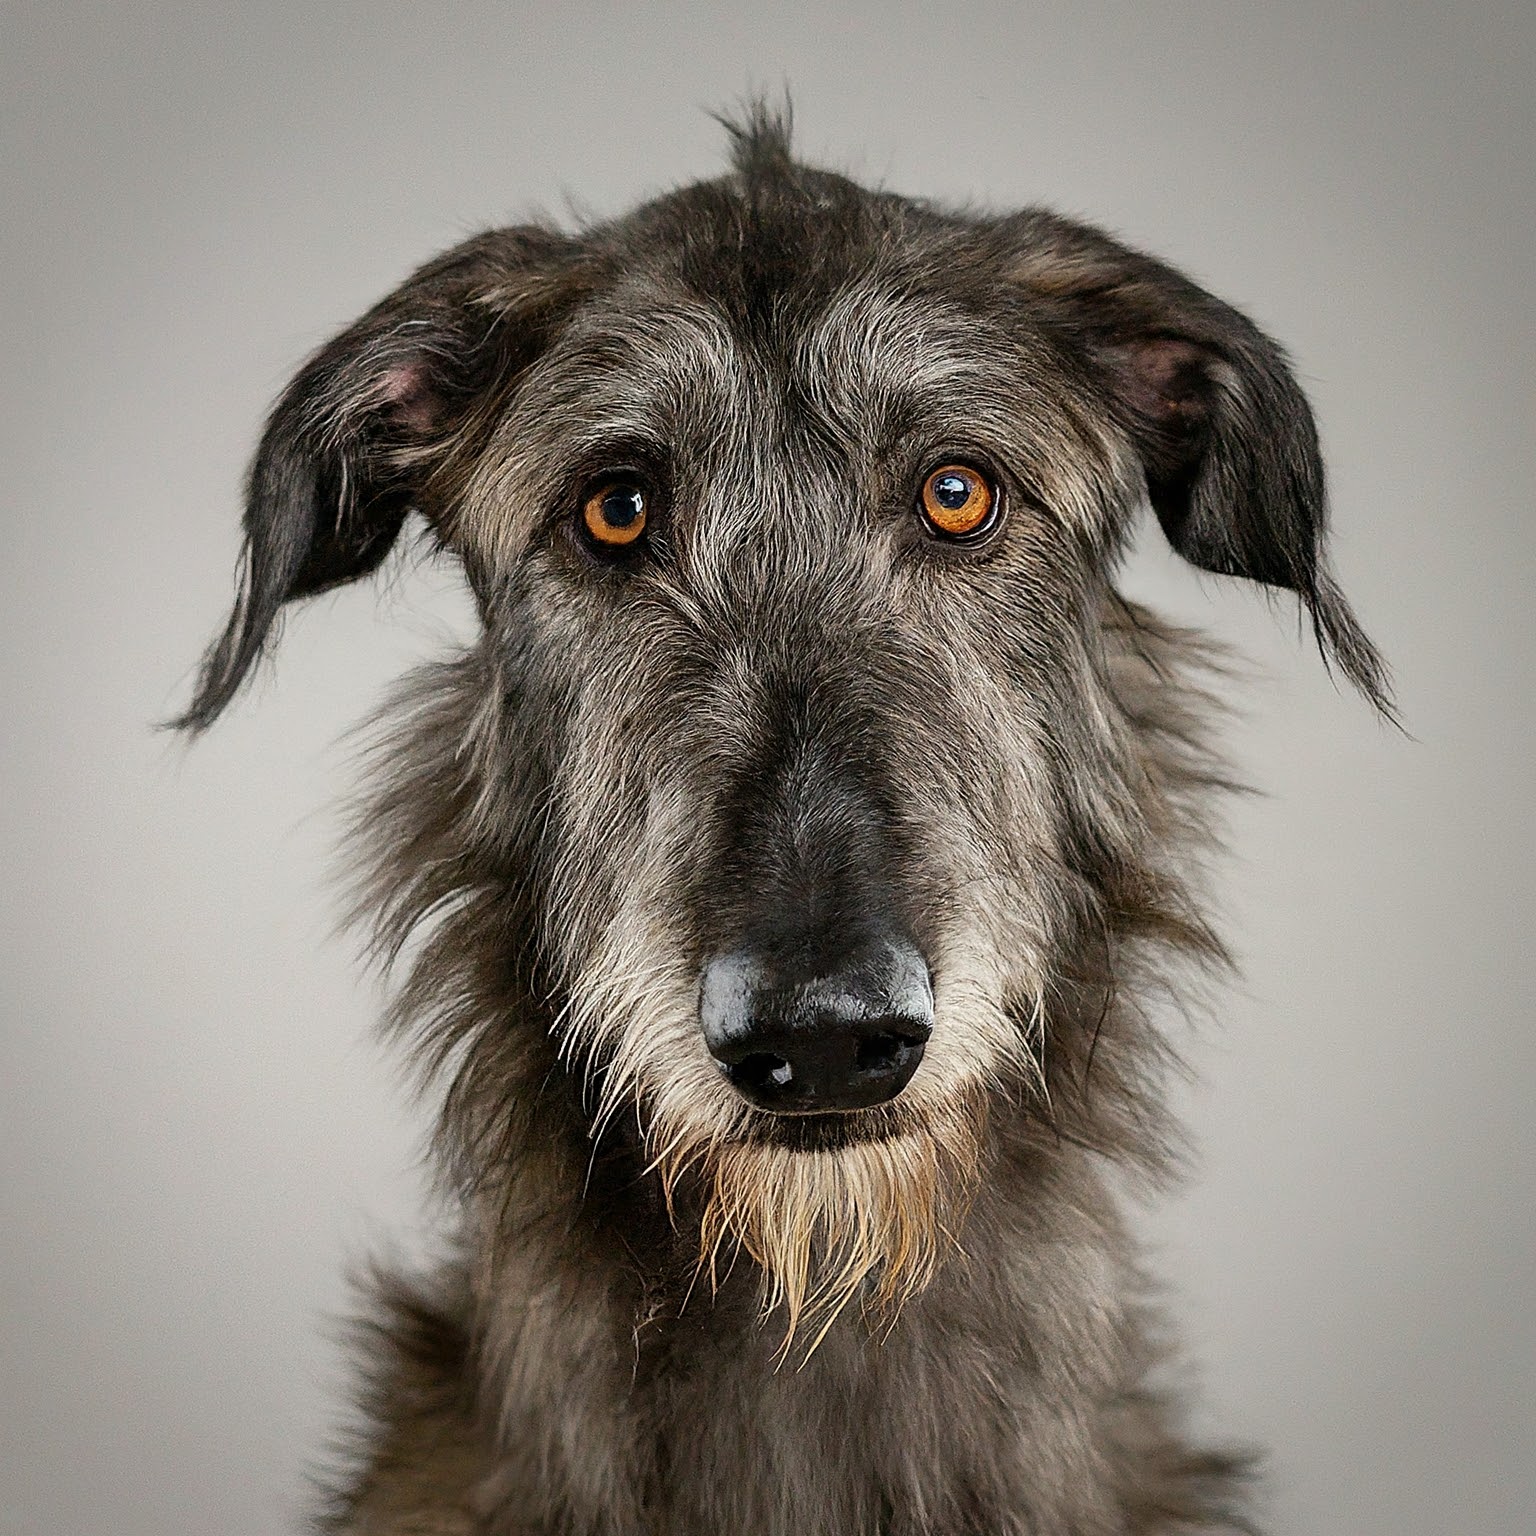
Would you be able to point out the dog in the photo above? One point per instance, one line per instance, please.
(783, 873)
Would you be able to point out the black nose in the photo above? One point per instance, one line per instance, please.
(798, 1039)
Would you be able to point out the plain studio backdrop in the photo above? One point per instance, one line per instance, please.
(198, 1134)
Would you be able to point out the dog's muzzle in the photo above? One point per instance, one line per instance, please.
(798, 1038)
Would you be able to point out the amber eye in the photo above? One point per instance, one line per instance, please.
(957, 500)
(615, 514)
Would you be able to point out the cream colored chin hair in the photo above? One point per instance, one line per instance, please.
(871, 1220)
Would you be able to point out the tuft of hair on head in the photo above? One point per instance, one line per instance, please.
(761, 135)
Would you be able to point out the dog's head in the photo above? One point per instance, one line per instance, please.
(807, 750)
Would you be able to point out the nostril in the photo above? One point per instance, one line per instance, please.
(883, 1052)
(762, 1071)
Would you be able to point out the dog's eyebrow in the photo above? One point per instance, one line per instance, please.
(874, 324)
(882, 361)
(880, 355)
(641, 376)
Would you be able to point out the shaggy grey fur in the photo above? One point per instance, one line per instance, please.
(790, 702)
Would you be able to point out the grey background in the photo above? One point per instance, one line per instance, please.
(197, 1133)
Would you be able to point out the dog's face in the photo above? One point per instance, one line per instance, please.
(802, 729)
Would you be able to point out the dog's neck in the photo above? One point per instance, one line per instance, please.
(597, 1342)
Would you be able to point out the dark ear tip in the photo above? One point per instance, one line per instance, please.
(206, 707)
(226, 664)
(190, 723)
(1344, 644)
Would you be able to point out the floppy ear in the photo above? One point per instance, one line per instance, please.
(1224, 433)
(354, 442)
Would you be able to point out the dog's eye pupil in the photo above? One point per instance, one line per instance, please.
(951, 490)
(957, 501)
(615, 514)
(622, 507)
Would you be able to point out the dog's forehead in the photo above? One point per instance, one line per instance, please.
(678, 359)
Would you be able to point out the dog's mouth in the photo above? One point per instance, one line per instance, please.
(826, 1131)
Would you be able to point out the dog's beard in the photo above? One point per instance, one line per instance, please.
(870, 1219)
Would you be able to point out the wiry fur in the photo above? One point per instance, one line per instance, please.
(670, 1311)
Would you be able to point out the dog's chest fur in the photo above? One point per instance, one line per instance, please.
(1012, 1399)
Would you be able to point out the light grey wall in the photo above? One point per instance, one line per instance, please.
(196, 1131)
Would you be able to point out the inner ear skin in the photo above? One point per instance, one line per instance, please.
(353, 477)
(410, 402)
(1163, 387)
(1166, 376)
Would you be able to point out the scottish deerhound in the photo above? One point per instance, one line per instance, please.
(782, 874)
